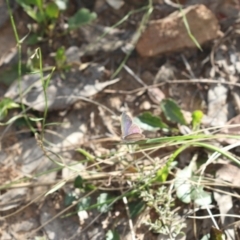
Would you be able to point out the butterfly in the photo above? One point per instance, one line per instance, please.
(131, 132)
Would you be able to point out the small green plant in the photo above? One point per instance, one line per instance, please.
(80, 18)
(172, 111)
(162, 203)
(47, 13)
(196, 119)
(61, 59)
(5, 105)
(41, 11)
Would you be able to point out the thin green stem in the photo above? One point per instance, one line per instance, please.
(19, 47)
(45, 84)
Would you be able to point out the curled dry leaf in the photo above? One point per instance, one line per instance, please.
(229, 173)
(165, 73)
(156, 95)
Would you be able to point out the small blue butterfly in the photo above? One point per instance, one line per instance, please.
(130, 130)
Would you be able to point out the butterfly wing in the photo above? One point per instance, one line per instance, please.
(130, 130)
(134, 133)
(134, 128)
(134, 137)
(126, 123)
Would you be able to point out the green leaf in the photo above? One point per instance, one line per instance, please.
(196, 119)
(78, 182)
(151, 121)
(162, 174)
(31, 13)
(201, 197)
(86, 154)
(186, 191)
(102, 200)
(39, 3)
(183, 186)
(29, 7)
(69, 198)
(112, 235)
(40, 17)
(5, 105)
(52, 10)
(82, 17)
(89, 187)
(35, 119)
(27, 2)
(84, 203)
(172, 111)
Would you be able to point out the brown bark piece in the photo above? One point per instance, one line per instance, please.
(170, 34)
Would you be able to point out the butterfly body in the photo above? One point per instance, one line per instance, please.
(131, 132)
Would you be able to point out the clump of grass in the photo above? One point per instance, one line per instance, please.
(162, 202)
